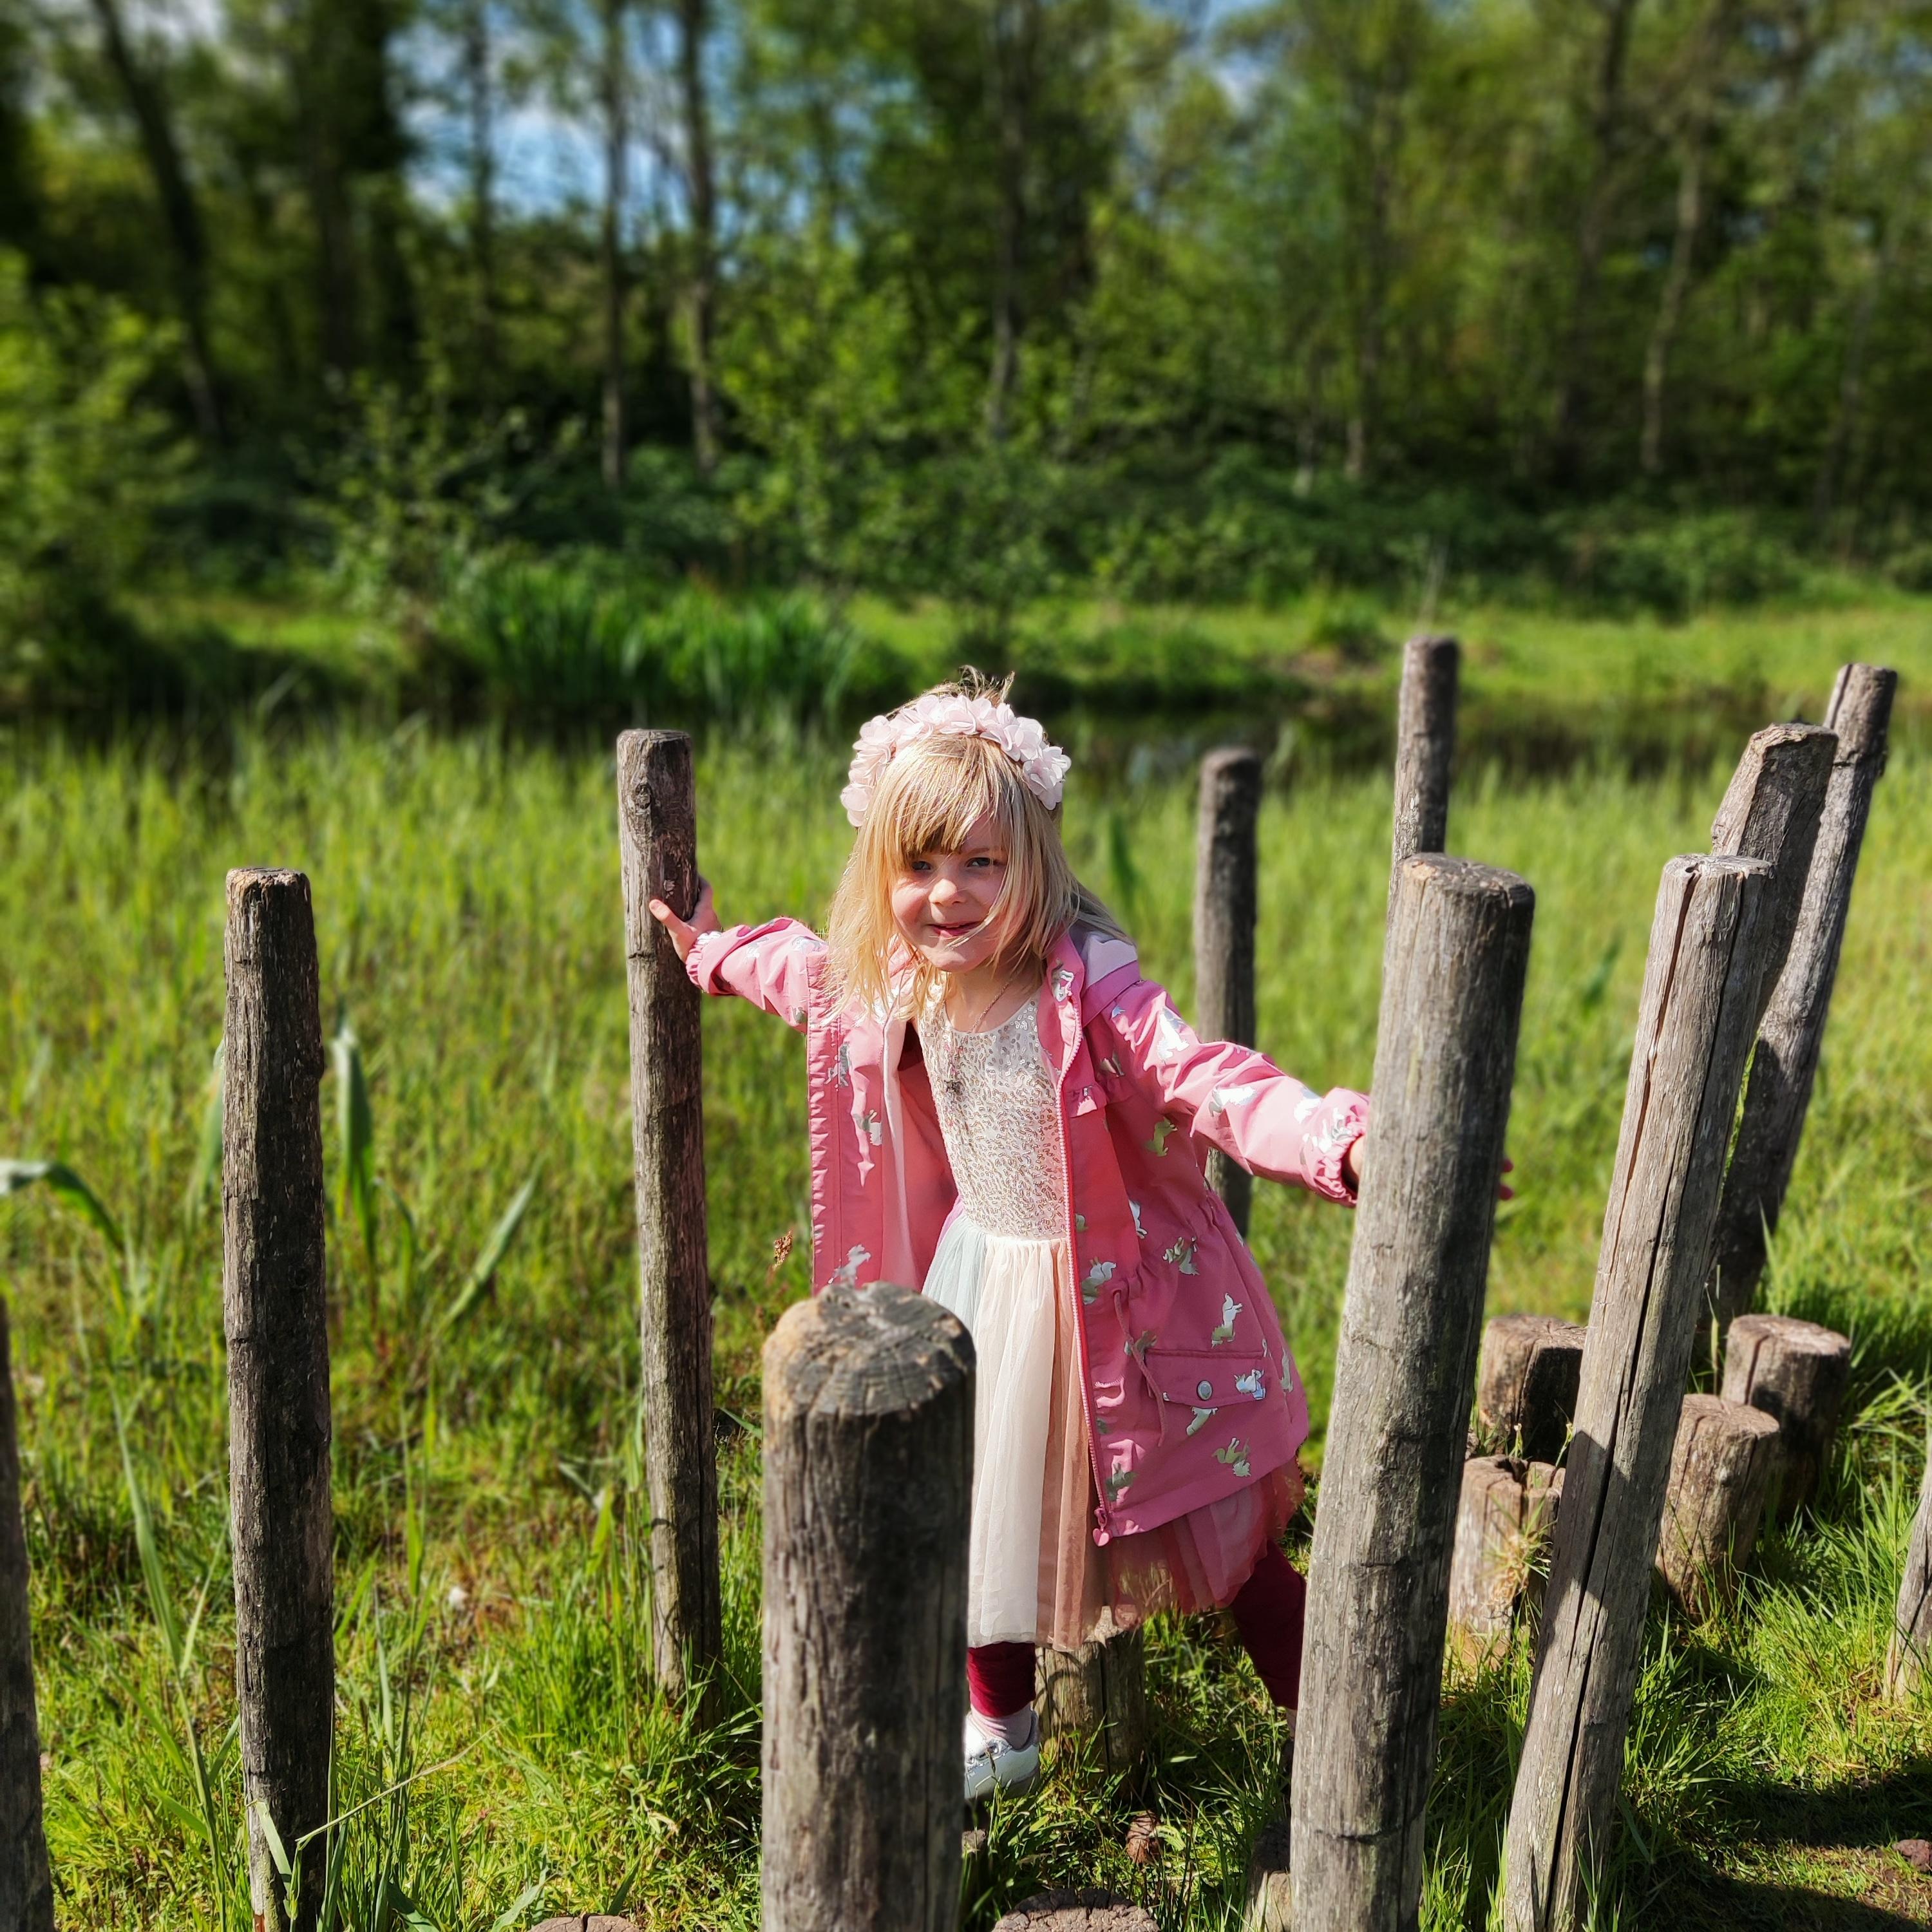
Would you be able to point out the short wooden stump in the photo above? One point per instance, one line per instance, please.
(1719, 1468)
(1526, 1383)
(1796, 1372)
(1091, 1911)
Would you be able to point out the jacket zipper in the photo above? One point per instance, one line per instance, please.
(1079, 1315)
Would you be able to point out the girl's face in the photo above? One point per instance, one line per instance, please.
(942, 901)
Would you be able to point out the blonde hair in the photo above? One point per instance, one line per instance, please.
(926, 800)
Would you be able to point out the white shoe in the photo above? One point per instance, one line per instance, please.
(993, 1765)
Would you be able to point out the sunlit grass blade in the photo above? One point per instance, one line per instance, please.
(491, 1258)
(208, 1149)
(356, 1131)
(71, 1191)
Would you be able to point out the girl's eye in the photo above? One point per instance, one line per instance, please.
(985, 860)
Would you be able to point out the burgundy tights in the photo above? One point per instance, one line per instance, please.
(1267, 1612)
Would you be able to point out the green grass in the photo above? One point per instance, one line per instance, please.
(489, 1574)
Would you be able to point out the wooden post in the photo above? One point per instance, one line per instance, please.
(1092, 1910)
(1792, 1028)
(1720, 1467)
(1224, 930)
(1694, 1033)
(868, 1470)
(275, 1311)
(1508, 1511)
(1771, 811)
(1377, 1600)
(26, 1888)
(1796, 1372)
(1910, 1660)
(1098, 1692)
(1424, 746)
(657, 818)
(1526, 1383)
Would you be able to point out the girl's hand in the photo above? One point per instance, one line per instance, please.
(685, 934)
(1351, 1169)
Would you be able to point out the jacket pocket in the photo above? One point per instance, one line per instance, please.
(1207, 1378)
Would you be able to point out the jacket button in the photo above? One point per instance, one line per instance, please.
(1204, 1390)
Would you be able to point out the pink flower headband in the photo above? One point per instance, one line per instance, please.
(1043, 767)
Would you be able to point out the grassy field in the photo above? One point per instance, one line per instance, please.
(489, 1580)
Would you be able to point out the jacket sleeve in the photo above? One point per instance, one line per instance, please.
(1234, 1097)
(775, 966)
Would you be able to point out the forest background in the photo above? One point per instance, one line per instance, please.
(572, 358)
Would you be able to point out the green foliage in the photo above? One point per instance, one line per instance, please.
(584, 638)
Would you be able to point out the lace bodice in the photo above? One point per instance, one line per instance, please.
(999, 1112)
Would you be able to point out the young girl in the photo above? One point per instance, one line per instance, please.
(1004, 1111)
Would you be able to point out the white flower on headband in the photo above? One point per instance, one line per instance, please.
(1043, 767)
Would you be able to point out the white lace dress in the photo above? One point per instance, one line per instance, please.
(1004, 1265)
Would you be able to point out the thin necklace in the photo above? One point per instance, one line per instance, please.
(978, 1021)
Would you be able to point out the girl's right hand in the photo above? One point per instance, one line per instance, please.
(685, 934)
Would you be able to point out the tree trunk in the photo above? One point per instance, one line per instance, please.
(868, 1462)
(701, 294)
(1676, 287)
(1792, 1028)
(275, 1311)
(1224, 930)
(657, 815)
(180, 217)
(616, 142)
(26, 1888)
(1014, 34)
(1831, 465)
(1593, 233)
(1378, 1602)
(1700, 995)
(479, 74)
(338, 295)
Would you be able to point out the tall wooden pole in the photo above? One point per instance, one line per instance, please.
(1792, 1028)
(26, 1888)
(275, 1313)
(1379, 1592)
(1700, 1000)
(869, 1471)
(1910, 1662)
(1225, 905)
(1425, 745)
(657, 818)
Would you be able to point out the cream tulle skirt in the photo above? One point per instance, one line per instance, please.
(1035, 1574)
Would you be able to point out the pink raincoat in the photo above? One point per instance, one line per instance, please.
(1191, 1392)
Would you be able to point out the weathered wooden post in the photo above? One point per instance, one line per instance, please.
(1452, 995)
(868, 1469)
(1098, 1693)
(1792, 1028)
(1796, 1372)
(1503, 1521)
(1720, 1472)
(1910, 1660)
(26, 1888)
(1526, 1383)
(1224, 929)
(657, 819)
(1700, 996)
(1425, 746)
(275, 1313)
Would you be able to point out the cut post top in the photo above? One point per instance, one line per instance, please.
(1466, 878)
(1860, 712)
(861, 1352)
